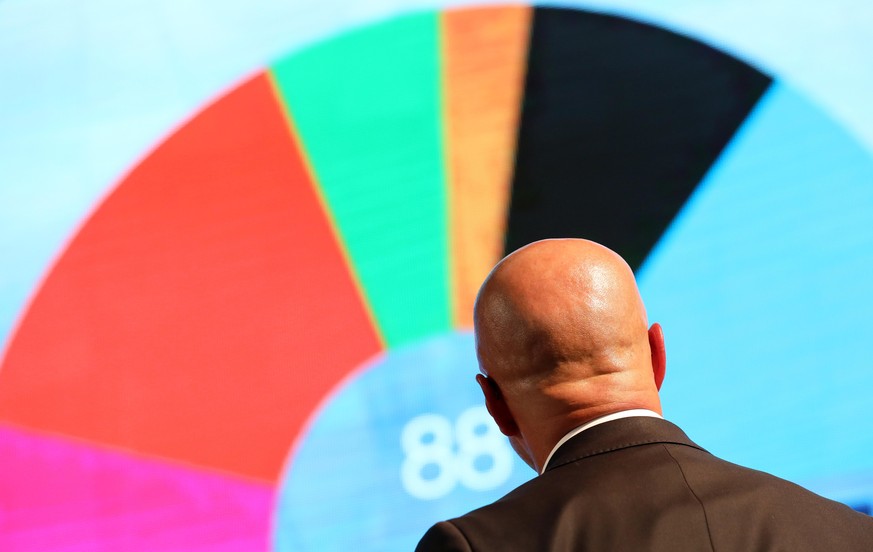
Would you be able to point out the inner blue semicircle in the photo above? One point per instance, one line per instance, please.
(370, 475)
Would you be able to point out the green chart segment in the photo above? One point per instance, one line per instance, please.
(367, 109)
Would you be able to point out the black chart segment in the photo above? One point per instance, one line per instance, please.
(620, 122)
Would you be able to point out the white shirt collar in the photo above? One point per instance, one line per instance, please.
(598, 421)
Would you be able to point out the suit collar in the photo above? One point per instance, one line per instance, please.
(616, 435)
(597, 421)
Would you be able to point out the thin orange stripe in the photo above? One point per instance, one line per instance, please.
(485, 55)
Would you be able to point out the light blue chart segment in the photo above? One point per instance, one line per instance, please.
(371, 475)
(764, 286)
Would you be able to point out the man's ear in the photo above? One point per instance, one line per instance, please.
(497, 406)
(659, 353)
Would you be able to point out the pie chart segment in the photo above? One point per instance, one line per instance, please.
(74, 496)
(484, 60)
(367, 106)
(188, 316)
(780, 221)
(621, 121)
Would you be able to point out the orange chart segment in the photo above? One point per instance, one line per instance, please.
(203, 311)
(484, 53)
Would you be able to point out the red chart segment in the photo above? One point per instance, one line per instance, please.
(203, 311)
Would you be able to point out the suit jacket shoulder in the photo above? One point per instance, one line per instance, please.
(641, 484)
(443, 537)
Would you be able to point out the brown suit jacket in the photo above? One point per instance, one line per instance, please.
(640, 484)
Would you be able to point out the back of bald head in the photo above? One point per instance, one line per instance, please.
(561, 328)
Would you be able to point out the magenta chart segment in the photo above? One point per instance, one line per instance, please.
(61, 495)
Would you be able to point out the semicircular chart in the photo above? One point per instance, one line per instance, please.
(261, 338)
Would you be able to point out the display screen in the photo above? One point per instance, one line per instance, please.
(241, 246)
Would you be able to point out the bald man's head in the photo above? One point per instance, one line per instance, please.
(561, 333)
